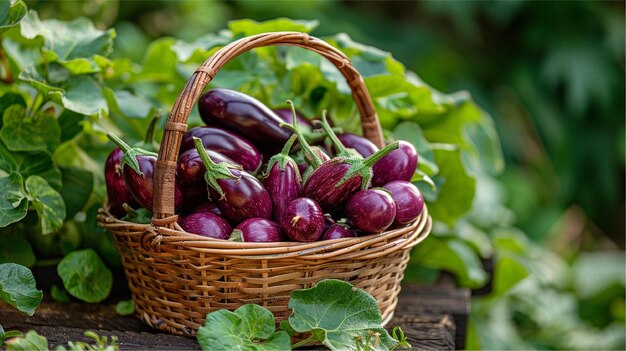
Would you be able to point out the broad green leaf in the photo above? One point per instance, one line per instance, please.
(19, 251)
(125, 307)
(10, 99)
(13, 201)
(82, 95)
(132, 106)
(66, 41)
(452, 255)
(412, 132)
(185, 51)
(29, 342)
(47, 202)
(598, 271)
(85, 276)
(250, 327)
(36, 79)
(20, 132)
(27, 164)
(508, 271)
(59, 294)
(17, 288)
(11, 13)
(339, 316)
(76, 190)
(248, 27)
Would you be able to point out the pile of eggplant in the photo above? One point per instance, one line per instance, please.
(272, 176)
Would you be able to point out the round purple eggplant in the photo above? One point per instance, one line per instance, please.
(117, 191)
(303, 220)
(371, 210)
(409, 201)
(238, 194)
(338, 231)
(400, 164)
(362, 145)
(138, 167)
(257, 230)
(243, 115)
(282, 179)
(207, 224)
(226, 143)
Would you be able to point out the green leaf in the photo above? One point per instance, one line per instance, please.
(65, 41)
(27, 164)
(248, 27)
(250, 327)
(125, 308)
(19, 251)
(201, 46)
(452, 255)
(412, 132)
(82, 95)
(76, 190)
(11, 13)
(29, 133)
(13, 202)
(339, 316)
(508, 271)
(132, 106)
(29, 342)
(85, 276)
(10, 99)
(36, 79)
(59, 294)
(17, 288)
(47, 202)
(595, 272)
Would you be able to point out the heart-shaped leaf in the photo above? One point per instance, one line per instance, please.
(17, 288)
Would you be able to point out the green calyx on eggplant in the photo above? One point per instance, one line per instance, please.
(282, 179)
(138, 166)
(237, 193)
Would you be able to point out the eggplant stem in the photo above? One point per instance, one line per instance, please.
(119, 142)
(214, 171)
(311, 158)
(375, 157)
(341, 149)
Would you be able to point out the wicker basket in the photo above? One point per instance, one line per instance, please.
(176, 278)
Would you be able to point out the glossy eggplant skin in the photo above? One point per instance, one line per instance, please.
(321, 185)
(409, 201)
(244, 197)
(190, 169)
(258, 230)
(303, 220)
(141, 185)
(245, 116)
(353, 141)
(283, 186)
(371, 211)
(207, 224)
(226, 143)
(400, 164)
(337, 231)
(117, 191)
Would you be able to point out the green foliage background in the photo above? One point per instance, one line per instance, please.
(544, 202)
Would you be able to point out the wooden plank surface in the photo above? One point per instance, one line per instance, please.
(430, 316)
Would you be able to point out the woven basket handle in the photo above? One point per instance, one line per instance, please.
(175, 127)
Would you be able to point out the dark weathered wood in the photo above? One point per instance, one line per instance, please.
(432, 317)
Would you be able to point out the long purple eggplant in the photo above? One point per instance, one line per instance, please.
(238, 194)
(303, 220)
(371, 210)
(257, 230)
(398, 165)
(362, 145)
(338, 231)
(207, 224)
(226, 143)
(244, 115)
(331, 183)
(409, 201)
(117, 191)
(138, 167)
(282, 179)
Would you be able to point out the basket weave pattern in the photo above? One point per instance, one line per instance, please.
(176, 278)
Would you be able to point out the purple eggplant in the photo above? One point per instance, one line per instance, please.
(337, 231)
(138, 167)
(226, 143)
(371, 210)
(117, 191)
(208, 207)
(332, 182)
(303, 220)
(398, 165)
(244, 115)
(257, 230)
(409, 201)
(207, 224)
(237, 193)
(362, 145)
(282, 179)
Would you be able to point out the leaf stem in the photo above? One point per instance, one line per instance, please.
(306, 342)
